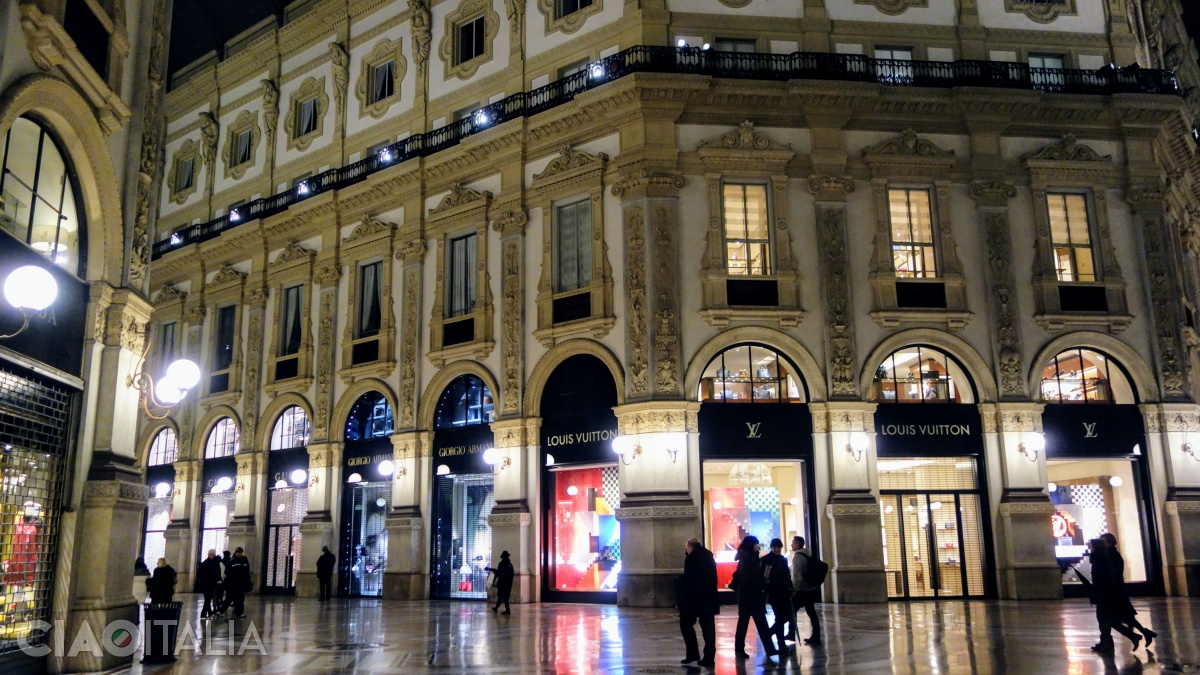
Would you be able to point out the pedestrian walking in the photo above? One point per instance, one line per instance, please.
(325, 565)
(778, 581)
(237, 582)
(696, 598)
(162, 583)
(141, 580)
(1106, 597)
(208, 576)
(804, 594)
(751, 598)
(503, 581)
(1124, 609)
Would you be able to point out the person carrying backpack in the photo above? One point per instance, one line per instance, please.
(807, 575)
(778, 580)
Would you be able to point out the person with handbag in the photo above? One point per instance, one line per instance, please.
(804, 594)
(504, 574)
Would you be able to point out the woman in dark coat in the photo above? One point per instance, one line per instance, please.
(162, 583)
(1108, 596)
(503, 582)
(751, 598)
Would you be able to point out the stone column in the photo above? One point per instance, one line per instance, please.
(99, 542)
(516, 441)
(249, 492)
(319, 525)
(657, 512)
(1026, 568)
(854, 549)
(1173, 439)
(181, 544)
(407, 573)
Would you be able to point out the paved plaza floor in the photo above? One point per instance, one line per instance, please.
(373, 636)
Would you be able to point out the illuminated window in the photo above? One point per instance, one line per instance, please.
(913, 252)
(289, 330)
(747, 229)
(465, 401)
(223, 440)
(1084, 376)
(921, 375)
(573, 239)
(1070, 237)
(291, 429)
(750, 373)
(461, 283)
(371, 417)
(383, 81)
(164, 449)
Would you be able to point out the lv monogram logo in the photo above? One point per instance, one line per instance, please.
(1089, 430)
(752, 428)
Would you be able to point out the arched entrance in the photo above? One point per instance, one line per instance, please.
(1097, 474)
(160, 476)
(287, 499)
(581, 555)
(929, 440)
(756, 452)
(367, 470)
(463, 487)
(220, 475)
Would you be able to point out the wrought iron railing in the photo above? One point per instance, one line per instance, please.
(689, 60)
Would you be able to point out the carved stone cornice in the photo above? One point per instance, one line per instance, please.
(293, 252)
(369, 227)
(1066, 150)
(893, 7)
(657, 416)
(226, 275)
(1041, 11)
(569, 159)
(649, 183)
(908, 155)
(328, 275)
(744, 148)
(169, 294)
(460, 195)
(745, 138)
(994, 193)
(511, 222)
(831, 187)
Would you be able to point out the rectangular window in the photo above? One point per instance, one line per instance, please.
(306, 116)
(1092, 497)
(461, 288)
(383, 81)
(1046, 71)
(735, 45)
(185, 173)
(573, 230)
(585, 537)
(289, 328)
(470, 40)
(894, 65)
(369, 298)
(567, 7)
(1070, 237)
(747, 234)
(226, 320)
(913, 252)
(241, 151)
(168, 343)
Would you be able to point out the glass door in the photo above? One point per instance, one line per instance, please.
(932, 545)
(364, 542)
(462, 538)
(288, 507)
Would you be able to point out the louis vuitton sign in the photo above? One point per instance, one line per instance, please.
(1089, 429)
(927, 429)
(763, 430)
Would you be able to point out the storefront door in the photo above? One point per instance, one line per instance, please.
(366, 501)
(931, 544)
(288, 507)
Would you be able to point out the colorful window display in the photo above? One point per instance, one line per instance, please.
(1092, 497)
(1084, 376)
(586, 547)
(764, 499)
(750, 373)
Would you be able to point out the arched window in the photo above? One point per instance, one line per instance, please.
(291, 429)
(1085, 376)
(223, 440)
(921, 374)
(371, 417)
(751, 373)
(465, 401)
(40, 194)
(164, 449)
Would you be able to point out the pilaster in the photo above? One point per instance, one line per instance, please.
(319, 525)
(248, 491)
(516, 441)
(991, 203)
(1171, 434)
(831, 193)
(407, 573)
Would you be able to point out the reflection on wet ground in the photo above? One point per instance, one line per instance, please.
(374, 636)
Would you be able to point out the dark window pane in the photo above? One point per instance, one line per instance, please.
(224, 348)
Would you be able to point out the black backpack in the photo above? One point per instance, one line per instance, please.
(816, 571)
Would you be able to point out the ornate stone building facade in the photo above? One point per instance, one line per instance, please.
(912, 280)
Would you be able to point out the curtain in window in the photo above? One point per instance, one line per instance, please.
(183, 177)
(462, 277)
(243, 148)
(308, 116)
(369, 304)
(225, 325)
(382, 81)
(290, 343)
(574, 245)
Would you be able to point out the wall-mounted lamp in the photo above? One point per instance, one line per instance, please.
(299, 477)
(443, 470)
(181, 376)
(496, 459)
(30, 289)
(241, 487)
(858, 445)
(1032, 443)
(1189, 450)
(314, 480)
(626, 448)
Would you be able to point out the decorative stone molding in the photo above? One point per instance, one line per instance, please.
(511, 333)
(468, 10)
(112, 493)
(1041, 11)
(991, 202)
(410, 334)
(1066, 150)
(836, 511)
(519, 519)
(657, 513)
(459, 195)
(149, 166)
(637, 310)
(291, 253)
(169, 294)
(747, 155)
(324, 375)
(822, 185)
(226, 275)
(908, 144)
(648, 183)
(370, 241)
(657, 416)
(835, 263)
(893, 7)
(1042, 507)
(736, 4)
(462, 209)
(569, 23)
(664, 328)
(253, 376)
(310, 88)
(270, 106)
(1172, 355)
(385, 50)
(339, 66)
(421, 26)
(571, 175)
(328, 275)
(369, 227)
(190, 150)
(246, 121)
(292, 267)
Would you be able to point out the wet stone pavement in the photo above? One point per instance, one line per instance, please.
(950, 637)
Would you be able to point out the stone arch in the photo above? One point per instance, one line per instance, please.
(1139, 372)
(975, 365)
(443, 378)
(350, 397)
(147, 436)
(274, 410)
(786, 345)
(206, 424)
(70, 118)
(536, 383)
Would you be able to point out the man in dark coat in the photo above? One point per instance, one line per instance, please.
(697, 600)
(751, 598)
(1106, 595)
(207, 578)
(503, 582)
(778, 580)
(237, 582)
(325, 573)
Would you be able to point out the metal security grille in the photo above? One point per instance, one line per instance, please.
(158, 517)
(218, 511)
(288, 507)
(35, 420)
(365, 539)
(463, 541)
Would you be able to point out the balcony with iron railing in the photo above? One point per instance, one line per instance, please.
(690, 60)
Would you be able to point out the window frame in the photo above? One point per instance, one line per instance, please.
(933, 245)
(1097, 272)
(285, 340)
(451, 46)
(583, 232)
(279, 434)
(966, 392)
(367, 85)
(464, 272)
(165, 452)
(768, 266)
(478, 39)
(560, 7)
(227, 446)
(361, 329)
(723, 377)
(312, 90)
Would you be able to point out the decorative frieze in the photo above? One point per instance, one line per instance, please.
(328, 317)
(511, 337)
(638, 310)
(991, 202)
(835, 265)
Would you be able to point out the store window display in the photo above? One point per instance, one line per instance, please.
(750, 373)
(160, 476)
(587, 537)
(1091, 498)
(368, 470)
(920, 374)
(1084, 376)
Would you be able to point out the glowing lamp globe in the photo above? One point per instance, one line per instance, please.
(1035, 442)
(490, 456)
(622, 445)
(168, 393)
(299, 476)
(386, 467)
(30, 287)
(183, 374)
